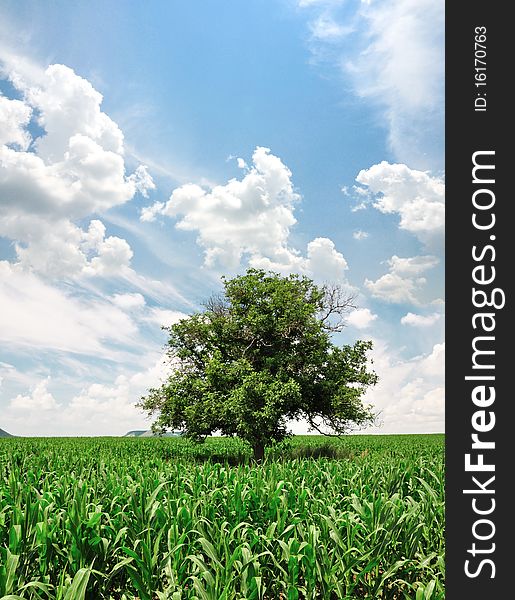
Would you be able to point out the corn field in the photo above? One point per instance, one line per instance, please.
(155, 519)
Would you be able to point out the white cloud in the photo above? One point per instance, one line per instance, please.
(413, 265)
(433, 364)
(304, 3)
(360, 206)
(54, 250)
(74, 169)
(395, 60)
(361, 318)
(324, 262)
(250, 218)
(327, 29)
(420, 320)
(68, 105)
(394, 288)
(88, 179)
(400, 68)
(132, 301)
(142, 180)
(410, 393)
(158, 289)
(419, 200)
(39, 399)
(60, 249)
(164, 317)
(251, 215)
(362, 197)
(149, 213)
(360, 235)
(402, 284)
(114, 256)
(14, 118)
(92, 410)
(417, 197)
(34, 314)
(98, 409)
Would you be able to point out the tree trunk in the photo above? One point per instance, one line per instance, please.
(259, 452)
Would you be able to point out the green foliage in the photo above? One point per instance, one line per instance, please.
(113, 519)
(259, 356)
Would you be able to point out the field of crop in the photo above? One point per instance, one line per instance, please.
(148, 519)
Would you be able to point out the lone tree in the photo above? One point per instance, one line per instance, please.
(259, 355)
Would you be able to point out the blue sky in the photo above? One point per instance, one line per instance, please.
(148, 148)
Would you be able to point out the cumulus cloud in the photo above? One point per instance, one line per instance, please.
(410, 393)
(360, 235)
(95, 405)
(402, 284)
(73, 169)
(39, 399)
(67, 105)
(62, 250)
(417, 197)
(88, 179)
(413, 265)
(420, 320)
(324, 262)
(14, 118)
(142, 180)
(250, 217)
(247, 215)
(361, 318)
(90, 412)
(394, 288)
(149, 213)
(114, 256)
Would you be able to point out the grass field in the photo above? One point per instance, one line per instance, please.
(115, 518)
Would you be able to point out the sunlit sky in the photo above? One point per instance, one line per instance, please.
(146, 149)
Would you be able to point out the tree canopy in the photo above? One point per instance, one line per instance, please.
(261, 354)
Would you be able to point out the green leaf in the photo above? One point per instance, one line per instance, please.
(11, 562)
(429, 590)
(77, 590)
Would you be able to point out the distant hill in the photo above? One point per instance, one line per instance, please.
(5, 434)
(148, 433)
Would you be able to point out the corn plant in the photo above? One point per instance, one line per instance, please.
(164, 519)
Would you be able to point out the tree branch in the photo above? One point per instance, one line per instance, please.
(217, 304)
(313, 425)
(335, 305)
